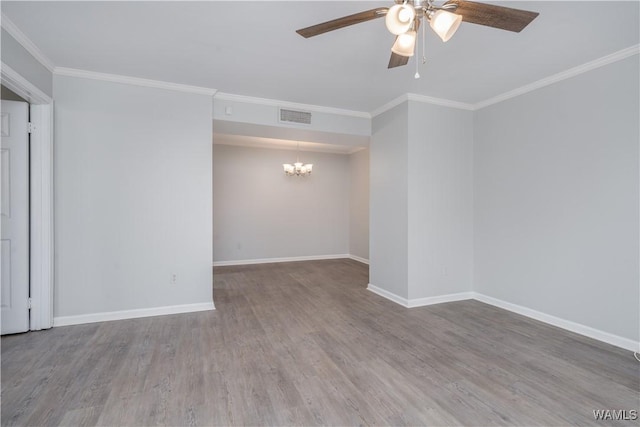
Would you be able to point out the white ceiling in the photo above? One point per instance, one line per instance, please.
(251, 48)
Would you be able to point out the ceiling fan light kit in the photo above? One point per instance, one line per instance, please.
(403, 20)
(400, 18)
(405, 44)
(444, 24)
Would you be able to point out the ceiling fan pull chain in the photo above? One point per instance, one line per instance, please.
(417, 74)
(424, 55)
(424, 40)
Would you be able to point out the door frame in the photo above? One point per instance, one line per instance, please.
(41, 243)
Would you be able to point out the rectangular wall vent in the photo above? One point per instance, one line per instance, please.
(293, 116)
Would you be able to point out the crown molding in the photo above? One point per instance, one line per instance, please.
(440, 101)
(72, 72)
(572, 72)
(21, 86)
(30, 47)
(389, 105)
(356, 150)
(26, 42)
(424, 99)
(294, 105)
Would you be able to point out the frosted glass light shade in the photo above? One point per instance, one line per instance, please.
(297, 168)
(400, 18)
(445, 24)
(405, 44)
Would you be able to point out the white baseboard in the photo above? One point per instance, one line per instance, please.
(578, 328)
(359, 259)
(131, 314)
(421, 302)
(289, 259)
(388, 295)
(568, 325)
(273, 260)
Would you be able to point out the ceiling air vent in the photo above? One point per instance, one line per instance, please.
(294, 116)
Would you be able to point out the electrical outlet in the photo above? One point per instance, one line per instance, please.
(174, 279)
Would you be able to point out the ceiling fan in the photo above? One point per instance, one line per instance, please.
(403, 20)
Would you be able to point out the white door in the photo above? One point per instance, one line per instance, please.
(14, 178)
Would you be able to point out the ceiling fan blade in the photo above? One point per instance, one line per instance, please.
(504, 18)
(345, 21)
(397, 60)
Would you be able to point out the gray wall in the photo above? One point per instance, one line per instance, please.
(21, 61)
(556, 199)
(388, 215)
(440, 168)
(261, 213)
(421, 209)
(359, 204)
(133, 197)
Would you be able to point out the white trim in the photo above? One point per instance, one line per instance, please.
(388, 295)
(72, 72)
(26, 42)
(421, 302)
(359, 259)
(578, 328)
(41, 217)
(41, 250)
(276, 103)
(355, 150)
(572, 72)
(421, 98)
(274, 260)
(22, 87)
(568, 325)
(131, 314)
(440, 101)
(389, 105)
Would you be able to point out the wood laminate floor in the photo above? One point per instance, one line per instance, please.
(306, 344)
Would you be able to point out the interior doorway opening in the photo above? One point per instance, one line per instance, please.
(41, 243)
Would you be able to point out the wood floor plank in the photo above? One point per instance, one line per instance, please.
(82, 417)
(305, 343)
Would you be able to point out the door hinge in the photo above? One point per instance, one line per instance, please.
(31, 127)
(29, 304)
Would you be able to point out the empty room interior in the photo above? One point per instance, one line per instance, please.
(338, 213)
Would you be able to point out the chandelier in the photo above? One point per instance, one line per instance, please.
(298, 168)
